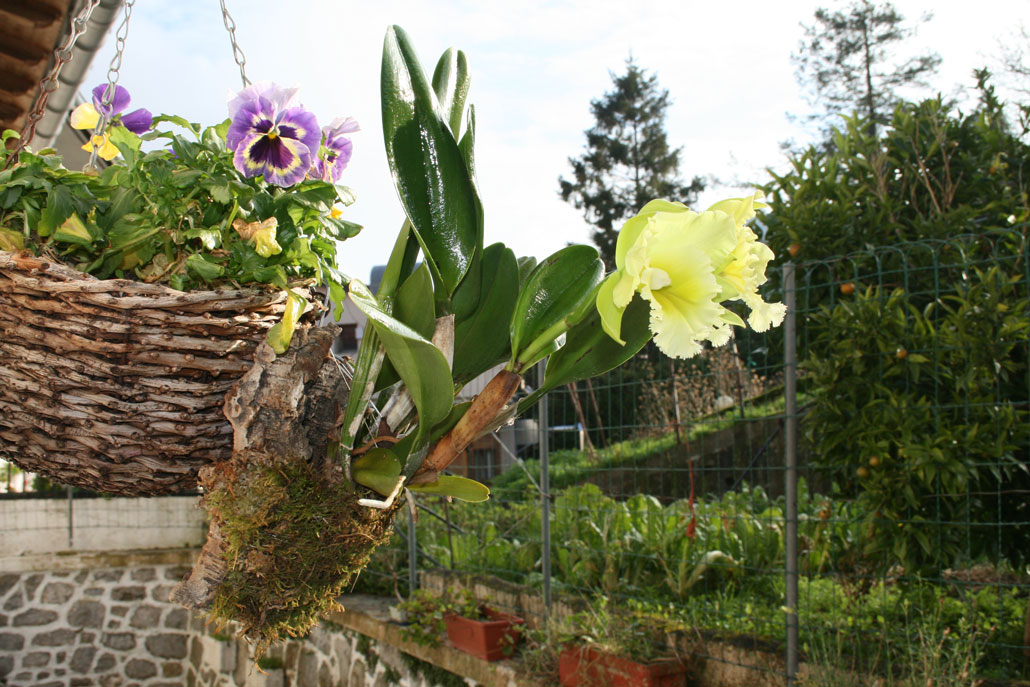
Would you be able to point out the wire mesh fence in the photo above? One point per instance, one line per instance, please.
(888, 541)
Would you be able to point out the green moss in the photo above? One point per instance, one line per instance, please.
(269, 663)
(391, 676)
(364, 647)
(294, 540)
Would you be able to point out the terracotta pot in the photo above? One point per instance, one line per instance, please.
(484, 638)
(582, 666)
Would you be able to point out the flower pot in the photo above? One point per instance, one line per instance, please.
(487, 639)
(582, 666)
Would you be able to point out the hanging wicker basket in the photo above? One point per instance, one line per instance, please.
(116, 385)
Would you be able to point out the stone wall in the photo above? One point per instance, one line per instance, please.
(82, 620)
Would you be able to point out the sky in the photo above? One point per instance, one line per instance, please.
(535, 67)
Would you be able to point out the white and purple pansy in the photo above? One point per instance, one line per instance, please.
(336, 149)
(270, 136)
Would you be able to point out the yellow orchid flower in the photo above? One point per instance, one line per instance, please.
(685, 264)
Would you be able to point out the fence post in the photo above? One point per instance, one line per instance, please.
(791, 469)
(545, 490)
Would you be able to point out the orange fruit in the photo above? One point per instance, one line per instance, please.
(862, 472)
(847, 288)
(794, 249)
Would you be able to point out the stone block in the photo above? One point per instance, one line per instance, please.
(357, 673)
(11, 642)
(177, 619)
(167, 645)
(6, 665)
(57, 593)
(81, 576)
(82, 659)
(119, 610)
(307, 668)
(84, 613)
(7, 580)
(62, 637)
(3, 620)
(324, 678)
(14, 601)
(143, 575)
(171, 669)
(176, 572)
(134, 593)
(160, 592)
(105, 662)
(140, 669)
(145, 616)
(31, 583)
(36, 659)
(114, 575)
(120, 641)
(93, 591)
(34, 617)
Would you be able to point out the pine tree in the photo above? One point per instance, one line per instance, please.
(627, 160)
(845, 60)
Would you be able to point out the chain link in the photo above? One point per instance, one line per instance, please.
(237, 52)
(113, 73)
(48, 85)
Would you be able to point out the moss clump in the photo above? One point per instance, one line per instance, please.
(294, 539)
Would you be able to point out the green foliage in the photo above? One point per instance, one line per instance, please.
(918, 411)
(627, 161)
(168, 215)
(427, 611)
(933, 173)
(845, 61)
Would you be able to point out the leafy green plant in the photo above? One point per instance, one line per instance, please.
(426, 612)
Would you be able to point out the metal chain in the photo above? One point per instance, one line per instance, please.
(48, 85)
(113, 72)
(237, 52)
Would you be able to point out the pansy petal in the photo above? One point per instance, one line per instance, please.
(106, 149)
(85, 116)
(337, 161)
(283, 161)
(300, 125)
(341, 125)
(279, 98)
(254, 117)
(138, 121)
(119, 102)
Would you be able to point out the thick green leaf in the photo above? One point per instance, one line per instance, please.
(414, 304)
(451, 83)
(556, 290)
(428, 168)
(527, 263)
(589, 351)
(482, 340)
(458, 487)
(419, 363)
(378, 470)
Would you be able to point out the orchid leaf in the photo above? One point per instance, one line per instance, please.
(414, 307)
(482, 339)
(460, 488)
(451, 83)
(589, 351)
(429, 171)
(527, 264)
(419, 363)
(555, 291)
(378, 470)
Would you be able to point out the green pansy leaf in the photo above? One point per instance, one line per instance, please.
(280, 335)
(458, 487)
(556, 291)
(482, 339)
(74, 230)
(378, 469)
(428, 168)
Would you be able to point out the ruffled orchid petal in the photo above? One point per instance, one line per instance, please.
(85, 116)
(685, 264)
(119, 101)
(138, 121)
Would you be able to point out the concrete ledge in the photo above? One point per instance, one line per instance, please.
(62, 561)
(369, 616)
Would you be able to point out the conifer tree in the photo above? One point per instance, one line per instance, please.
(627, 160)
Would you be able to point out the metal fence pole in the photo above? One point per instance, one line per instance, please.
(412, 548)
(71, 528)
(545, 490)
(791, 472)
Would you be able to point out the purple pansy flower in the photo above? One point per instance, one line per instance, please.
(336, 150)
(137, 121)
(270, 136)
